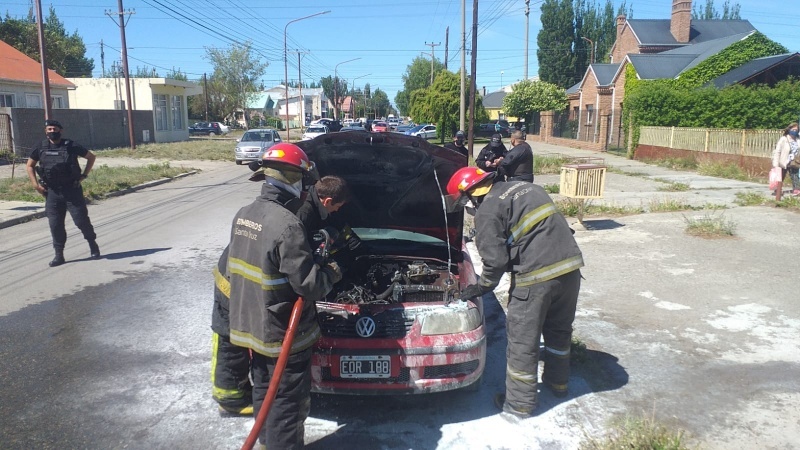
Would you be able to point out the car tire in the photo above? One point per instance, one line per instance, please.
(239, 162)
(211, 134)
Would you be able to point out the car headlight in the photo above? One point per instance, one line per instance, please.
(456, 318)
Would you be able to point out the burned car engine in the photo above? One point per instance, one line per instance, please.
(373, 280)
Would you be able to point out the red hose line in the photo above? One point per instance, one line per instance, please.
(275, 381)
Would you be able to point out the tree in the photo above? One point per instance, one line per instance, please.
(417, 76)
(555, 42)
(439, 104)
(380, 103)
(710, 12)
(66, 54)
(234, 81)
(530, 97)
(334, 89)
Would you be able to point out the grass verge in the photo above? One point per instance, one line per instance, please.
(102, 181)
(203, 149)
(637, 434)
(673, 186)
(570, 207)
(750, 199)
(549, 164)
(552, 188)
(710, 226)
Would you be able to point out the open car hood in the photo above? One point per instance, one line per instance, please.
(393, 179)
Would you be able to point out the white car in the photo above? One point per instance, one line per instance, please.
(313, 131)
(224, 128)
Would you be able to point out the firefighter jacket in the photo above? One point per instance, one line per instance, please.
(269, 266)
(518, 163)
(520, 231)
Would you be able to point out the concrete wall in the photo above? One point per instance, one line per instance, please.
(93, 129)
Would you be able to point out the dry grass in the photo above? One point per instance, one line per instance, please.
(710, 226)
(637, 434)
(217, 149)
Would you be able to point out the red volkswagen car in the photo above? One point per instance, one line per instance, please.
(395, 324)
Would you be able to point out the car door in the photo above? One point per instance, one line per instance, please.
(276, 137)
(430, 132)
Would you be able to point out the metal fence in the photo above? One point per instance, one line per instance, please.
(584, 125)
(6, 145)
(757, 143)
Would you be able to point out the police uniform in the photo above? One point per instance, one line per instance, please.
(269, 266)
(459, 148)
(61, 173)
(490, 153)
(520, 231)
(517, 165)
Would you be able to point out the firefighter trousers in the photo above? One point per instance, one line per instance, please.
(230, 369)
(60, 200)
(285, 425)
(545, 309)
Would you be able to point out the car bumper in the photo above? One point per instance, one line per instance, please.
(248, 156)
(441, 363)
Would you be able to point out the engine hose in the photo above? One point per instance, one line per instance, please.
(385, 294)
(275, 380)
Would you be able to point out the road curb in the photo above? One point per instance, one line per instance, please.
(38, 214)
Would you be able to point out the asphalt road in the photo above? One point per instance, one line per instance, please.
(700, 334)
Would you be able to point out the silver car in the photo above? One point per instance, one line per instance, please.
(253, 143)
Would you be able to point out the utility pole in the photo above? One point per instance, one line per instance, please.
(591, 47)
(103, 58)
(205, 89)
(302, 103)
(446, 45)
(462, 103)
(527, 27)
(432, 57)
(473, 68)
(129, 105)
(45, 76)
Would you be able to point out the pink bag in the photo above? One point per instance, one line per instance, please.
(775, 178)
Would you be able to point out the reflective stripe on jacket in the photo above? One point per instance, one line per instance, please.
(519, 230)
(270, 264)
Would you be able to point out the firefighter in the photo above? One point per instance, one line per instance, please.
(492, 154)
(517, 164)
(61, 186)
(269, 265)
(458, 143)
(520, 231)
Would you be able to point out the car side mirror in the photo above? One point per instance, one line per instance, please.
(238, 140)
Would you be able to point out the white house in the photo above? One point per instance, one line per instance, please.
(272, 103)
(164, 96)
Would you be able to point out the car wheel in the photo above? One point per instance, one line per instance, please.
(210, 134)
(238, 162)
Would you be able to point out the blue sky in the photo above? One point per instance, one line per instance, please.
(385, 35)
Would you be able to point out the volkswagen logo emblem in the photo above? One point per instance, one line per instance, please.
(365, 327)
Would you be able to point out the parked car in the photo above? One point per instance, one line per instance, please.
(497, 126)
(252, 144)
(391, 326)
(404, 127)
(333, 125)
(313, 131)
(423, 131)
(206, 129)
(225, 129)
(353, 127)
(380, 127)
(393, 122)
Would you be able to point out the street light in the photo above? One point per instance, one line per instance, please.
(501, 80)
(286, 66)
(353, 85)
(336, 87)
(591, 46)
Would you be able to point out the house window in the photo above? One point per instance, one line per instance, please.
(160, 110)
(57, 102)
(33, 100)
(589, 114)
(6, 100)
(177, 112)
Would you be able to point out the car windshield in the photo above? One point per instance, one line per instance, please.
(417, 128)
(252, 136)
(315, 130)
(368, 234)
(379, 124)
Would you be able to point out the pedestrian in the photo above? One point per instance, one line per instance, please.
(784, 154)
(458, 143)
(230, 364)
(269, 266)
(492, 154)
(519, 230)
(61, 177)
(517, 164)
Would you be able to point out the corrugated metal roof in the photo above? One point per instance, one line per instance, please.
(494, 99)
(752, 68)
(17, 66)
(604, 73)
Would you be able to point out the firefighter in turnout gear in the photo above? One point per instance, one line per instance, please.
(520, 231)
(269, 265)
(61, 176)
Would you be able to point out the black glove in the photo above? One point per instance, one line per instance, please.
(334, 271)
(473, 291)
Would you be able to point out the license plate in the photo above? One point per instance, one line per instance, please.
(365, 366)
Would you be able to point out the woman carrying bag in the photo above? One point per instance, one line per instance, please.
(784, 157)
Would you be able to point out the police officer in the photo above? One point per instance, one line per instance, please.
(269, 265)
(231, 387)
(517, 165)
(520, 231)
(458, 143)
(61, 175)
(492, 154)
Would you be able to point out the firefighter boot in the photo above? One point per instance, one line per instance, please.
(94, 249)
(59, 259)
